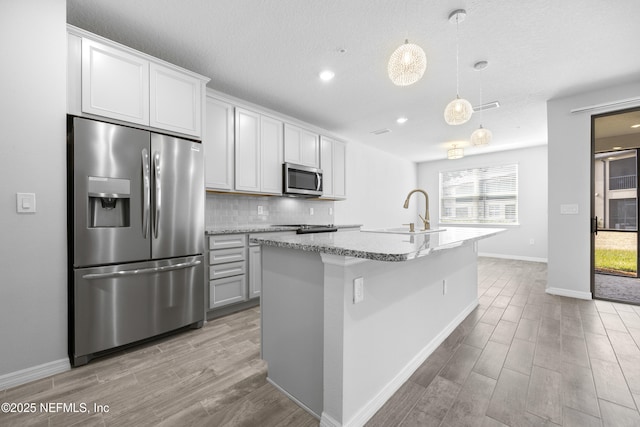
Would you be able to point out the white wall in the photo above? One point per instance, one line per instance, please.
(33, 277)
(377, 184)
(569, 270)
(532, 200)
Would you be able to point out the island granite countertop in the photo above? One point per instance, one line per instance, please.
(380, 246)
(262, 228)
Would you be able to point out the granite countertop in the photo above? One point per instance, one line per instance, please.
(380, 246)
(262, 228)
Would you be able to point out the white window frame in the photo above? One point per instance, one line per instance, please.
(481, 191)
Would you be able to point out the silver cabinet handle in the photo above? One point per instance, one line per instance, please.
(158, 193)
(122, 273)
(146, 181)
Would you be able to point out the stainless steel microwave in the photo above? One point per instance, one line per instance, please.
(299, 180)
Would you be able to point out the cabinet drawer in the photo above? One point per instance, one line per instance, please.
(224, 241)
(227, 291)
(226, 270)
(226, 255)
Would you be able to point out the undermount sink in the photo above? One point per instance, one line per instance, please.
(401, 230)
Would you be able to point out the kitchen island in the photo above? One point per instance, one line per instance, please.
(348, 317)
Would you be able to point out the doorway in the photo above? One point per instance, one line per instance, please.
(615, 210)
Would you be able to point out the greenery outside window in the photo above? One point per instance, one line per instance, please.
(486, 195)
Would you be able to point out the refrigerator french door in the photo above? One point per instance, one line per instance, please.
(136, 224)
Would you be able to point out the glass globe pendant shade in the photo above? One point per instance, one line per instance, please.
(407, 64)
(455, 153)
(458, 111)
(481, 136)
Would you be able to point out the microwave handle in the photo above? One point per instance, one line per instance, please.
(319, 181)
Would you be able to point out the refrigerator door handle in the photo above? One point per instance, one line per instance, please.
(158, 193)
(146, 179)
(122, 273)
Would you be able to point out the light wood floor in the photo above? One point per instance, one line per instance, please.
(522, 358)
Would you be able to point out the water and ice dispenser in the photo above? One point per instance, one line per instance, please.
(109, 202)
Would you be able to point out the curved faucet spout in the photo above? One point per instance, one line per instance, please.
(424, 219)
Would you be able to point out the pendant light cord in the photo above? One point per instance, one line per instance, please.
(457, 61)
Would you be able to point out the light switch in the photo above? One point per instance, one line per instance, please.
(569, 209)
(358, 290)
(26, 202)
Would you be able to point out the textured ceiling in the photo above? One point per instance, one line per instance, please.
(270, 52)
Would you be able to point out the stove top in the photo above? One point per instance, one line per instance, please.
(311, 228)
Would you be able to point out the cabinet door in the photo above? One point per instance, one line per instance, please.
(271, 155)
(326, 164)
(255, 271)
(309, 149)
(292, 137)
(218, 145)
(228, 290)
(339, 170)
(175, 100)
(301, 146)
(114, 83)
(247, 150)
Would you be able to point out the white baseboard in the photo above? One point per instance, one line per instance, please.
(515, 257)
(300, 404)
(371, 407)
(569, 293)
(33, 373)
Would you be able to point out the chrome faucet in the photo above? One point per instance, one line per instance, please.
(424, 219)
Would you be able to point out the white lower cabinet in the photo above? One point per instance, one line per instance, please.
(235, 269)
(227, 270)
(255, 271)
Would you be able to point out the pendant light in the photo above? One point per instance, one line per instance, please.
(407, 64)
(455, 153)
(459, 110)
(481, 136)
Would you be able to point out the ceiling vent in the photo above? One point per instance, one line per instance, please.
(381, 131)
(487, 106)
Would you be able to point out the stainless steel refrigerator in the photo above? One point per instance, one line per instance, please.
(136, 236)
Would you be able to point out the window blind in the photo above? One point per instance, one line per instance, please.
(486, 195)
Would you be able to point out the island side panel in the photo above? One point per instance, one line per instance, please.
(292, 323)
(403, 318)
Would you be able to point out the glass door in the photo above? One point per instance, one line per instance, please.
(616, 143)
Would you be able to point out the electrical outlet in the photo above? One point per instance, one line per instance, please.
(310, 211)
(358, 290)
(330, 211)
(444, 287)
(532, 241)
(260, 210)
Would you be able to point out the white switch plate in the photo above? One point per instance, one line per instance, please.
(25, 202)
(310, 211)
(358, 290)
(569, 209)
(260, 210)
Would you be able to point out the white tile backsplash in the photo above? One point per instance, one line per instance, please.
(239, 210)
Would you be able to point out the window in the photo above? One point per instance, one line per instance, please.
(487, 195)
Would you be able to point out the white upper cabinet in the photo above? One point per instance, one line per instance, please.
(271, 155)
(333, 165)
(114, 83)
(175, 100)
(218, 144)
(110, 80)
(247, 150)
(258, 153)
(301, 146)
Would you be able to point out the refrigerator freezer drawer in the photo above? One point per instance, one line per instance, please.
(122, 304)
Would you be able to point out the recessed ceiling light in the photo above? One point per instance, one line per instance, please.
(617, 148)
(636, 126)
(327, 75)
(401, 120)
